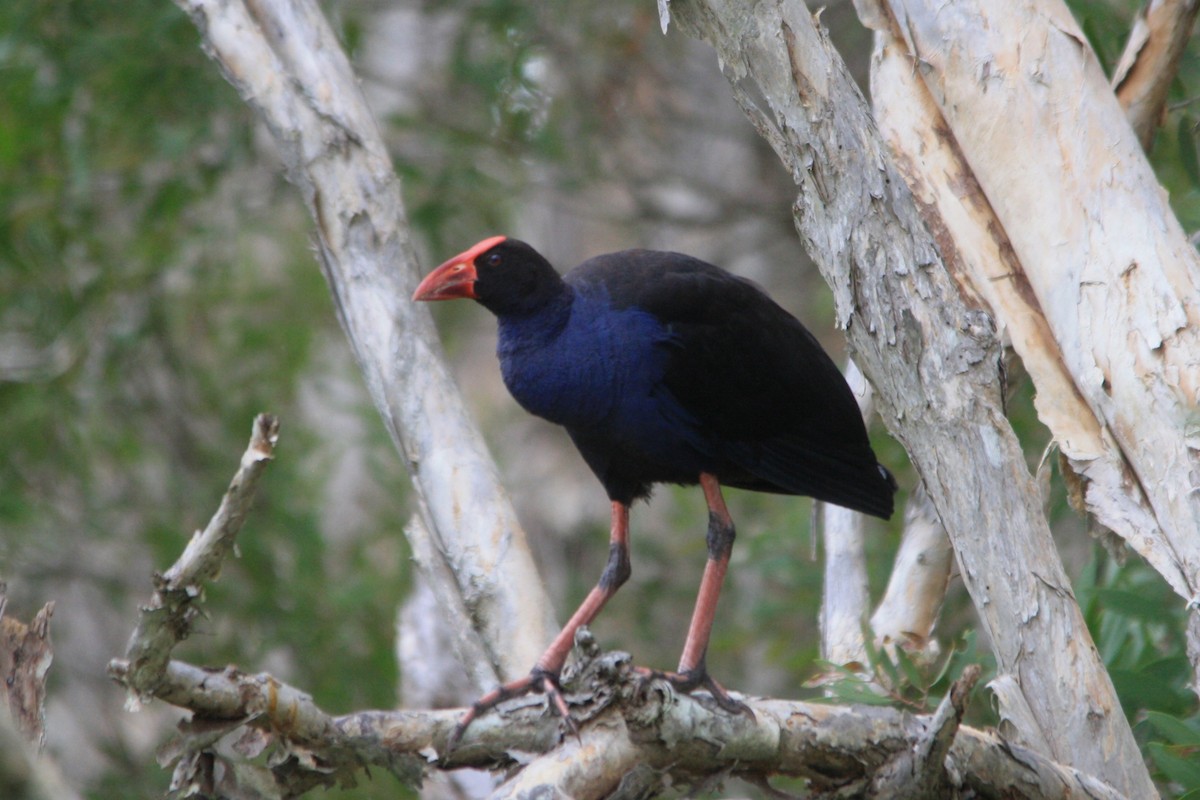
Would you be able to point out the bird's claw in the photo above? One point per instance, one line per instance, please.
(698, 678)
(538, 680)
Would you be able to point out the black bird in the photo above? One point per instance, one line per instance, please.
(666, 369)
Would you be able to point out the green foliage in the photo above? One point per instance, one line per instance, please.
(1138, 624)
(156, 291)
(894, 677)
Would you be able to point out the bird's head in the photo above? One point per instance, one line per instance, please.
(505, 275)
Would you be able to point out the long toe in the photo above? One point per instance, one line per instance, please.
(538, 680)
(698, 678)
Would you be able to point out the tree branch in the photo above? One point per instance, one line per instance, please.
(25, 656)
(917, 585)
(167, 620)
(253, 736)
(287, 64)
(1120, 291)
(844, 595)
(634, 728)
(1150, 62)
(1103, 395)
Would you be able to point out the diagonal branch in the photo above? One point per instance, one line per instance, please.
(286, 62)
(1157, 39)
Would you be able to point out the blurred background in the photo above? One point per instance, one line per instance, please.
(157, 289)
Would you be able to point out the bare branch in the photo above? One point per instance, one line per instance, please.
(844, 595)
(638, 727)
(924, 773)
(917, 586)
(167, 620)
(1143, 76)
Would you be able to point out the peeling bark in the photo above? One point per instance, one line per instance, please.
(933, 358)
(25, 656)
(1091, 275)
(1102, 255)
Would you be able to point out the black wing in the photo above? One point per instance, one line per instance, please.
(765, 393)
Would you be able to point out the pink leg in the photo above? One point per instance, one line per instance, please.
(720, 545)
(544, 676)
(692, 672)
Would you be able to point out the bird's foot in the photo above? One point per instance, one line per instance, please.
(538, 680)
(698, 678)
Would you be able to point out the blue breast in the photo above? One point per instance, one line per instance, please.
(584, 364)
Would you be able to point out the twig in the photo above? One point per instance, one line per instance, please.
(931, 754)
(167, 620)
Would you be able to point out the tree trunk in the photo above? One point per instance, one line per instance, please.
(933, 358)
(1110, 323)
(1089, 273)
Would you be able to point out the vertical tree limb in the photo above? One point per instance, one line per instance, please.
(845, 598)
(933, 359)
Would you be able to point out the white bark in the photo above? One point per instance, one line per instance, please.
(1090, 273)
(917, 586)
(845, 596)
(285, 61)
(1108, 265)
(933, 360)
(1148, 65)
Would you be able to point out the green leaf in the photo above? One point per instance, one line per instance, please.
(910, 669)
(1147, 607)
(858, 691)
(1175, 730)
(1184, 771)
(1185, 133)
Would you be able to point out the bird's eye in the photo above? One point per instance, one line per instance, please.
(493, 260)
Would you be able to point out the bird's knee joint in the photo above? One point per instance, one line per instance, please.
(617, 571)
(721, 534)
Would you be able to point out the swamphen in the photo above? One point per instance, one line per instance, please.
(666, 369)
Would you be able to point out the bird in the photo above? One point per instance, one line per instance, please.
(664, 368)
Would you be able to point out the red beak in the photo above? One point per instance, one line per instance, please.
(456, 278)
